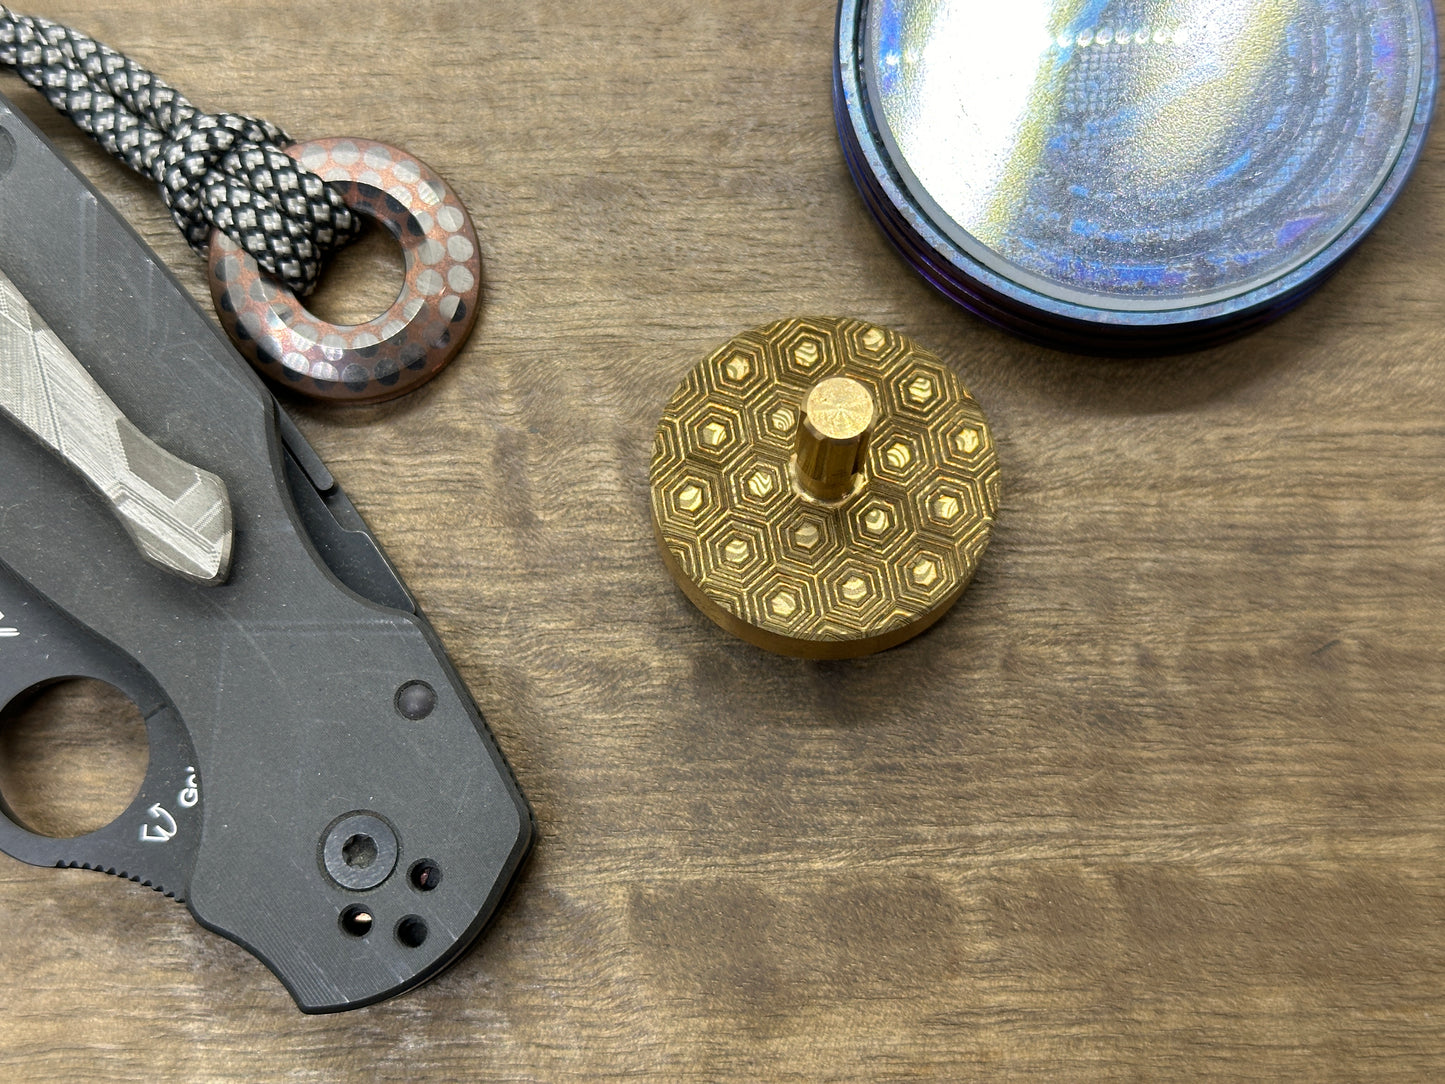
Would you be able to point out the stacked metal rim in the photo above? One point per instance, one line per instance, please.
(1134, 177)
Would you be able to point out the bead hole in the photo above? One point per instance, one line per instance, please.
(362, 281)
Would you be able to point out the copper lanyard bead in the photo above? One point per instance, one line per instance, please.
(823, 487)
(407, 344)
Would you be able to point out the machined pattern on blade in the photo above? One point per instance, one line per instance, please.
(178, 514)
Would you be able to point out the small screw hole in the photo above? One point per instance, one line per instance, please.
(356, 921)
(425, 875)
(411, 931)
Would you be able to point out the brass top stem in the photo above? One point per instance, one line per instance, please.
(832, 444)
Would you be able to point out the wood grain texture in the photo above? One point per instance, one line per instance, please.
(1162, 798)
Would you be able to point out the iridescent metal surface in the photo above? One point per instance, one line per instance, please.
(1155, 172)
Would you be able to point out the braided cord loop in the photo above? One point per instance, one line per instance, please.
(214, 170)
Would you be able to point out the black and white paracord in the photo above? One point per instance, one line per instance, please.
(218, 170)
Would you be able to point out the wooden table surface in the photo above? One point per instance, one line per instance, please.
(1163, 797)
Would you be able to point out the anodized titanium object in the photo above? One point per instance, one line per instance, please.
(1131, 178)
(412, 340)
(823, 487)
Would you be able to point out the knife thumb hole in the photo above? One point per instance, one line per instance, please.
(73, 755)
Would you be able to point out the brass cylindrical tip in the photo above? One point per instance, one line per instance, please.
(837, 420)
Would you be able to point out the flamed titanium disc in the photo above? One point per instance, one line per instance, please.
(1135, 176)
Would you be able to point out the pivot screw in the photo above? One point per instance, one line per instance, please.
(359, 851)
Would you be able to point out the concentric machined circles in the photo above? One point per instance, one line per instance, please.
(1131, 179)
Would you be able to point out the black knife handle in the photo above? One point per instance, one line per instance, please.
(359, 824)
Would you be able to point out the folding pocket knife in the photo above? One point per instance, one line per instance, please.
(321, 788)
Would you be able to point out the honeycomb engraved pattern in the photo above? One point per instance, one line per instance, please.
(802, 576)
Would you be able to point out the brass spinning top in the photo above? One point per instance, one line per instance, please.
(823, 487)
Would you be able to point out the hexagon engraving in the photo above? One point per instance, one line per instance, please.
(690, 497)
(899, 455)
(924, 572)
(921, 390)
(737, 551)
(945, 507)
(784, 603)
(738, 368)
